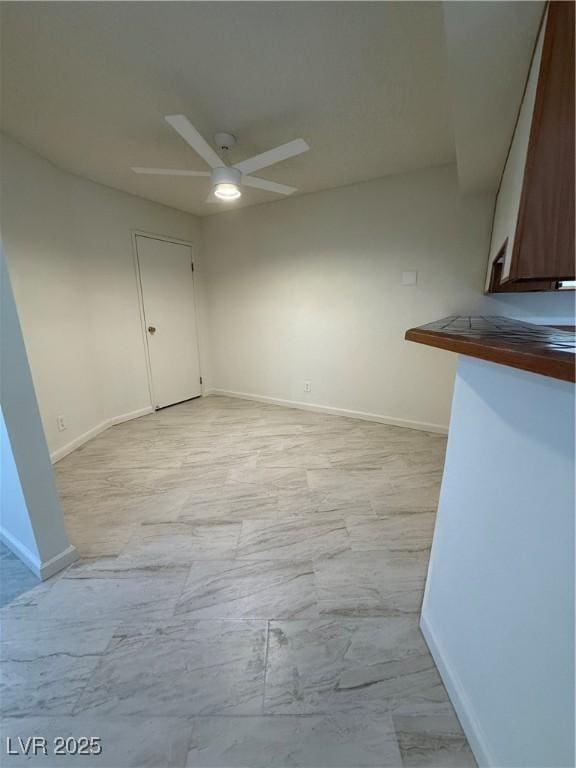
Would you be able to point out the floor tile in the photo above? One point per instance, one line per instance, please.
(346, 507)
(180, 668)
(251, 589)
(171, 544)
(303, 504)
(321, 536)
(295, 456)
(103, 588)
(415, 494)
(103, 527)
(232, 502)
(15, 578)
(362, 457)
(330, 741)
(429, 458)
(4, 551)
(401, 532)
(341, 486)
(353, 666)
(222, 538)
(130, 483)
(283, 479)
(127, 742)
(26, 604)
(95, 549)
(377, 583)
(153, 508)
(103, 455)
(227, 454)
(45, 665)
(432, 742)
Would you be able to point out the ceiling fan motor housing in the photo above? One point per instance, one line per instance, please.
(226, 175)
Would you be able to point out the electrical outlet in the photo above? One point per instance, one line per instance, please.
(307, 386)
(60, 420)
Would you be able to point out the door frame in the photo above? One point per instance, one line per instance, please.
(134, 233)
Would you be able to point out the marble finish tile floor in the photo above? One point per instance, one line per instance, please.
(247, 597)
(15, 578)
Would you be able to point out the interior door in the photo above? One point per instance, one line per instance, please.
(167, 281)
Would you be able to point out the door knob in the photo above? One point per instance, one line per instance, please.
(151, 330)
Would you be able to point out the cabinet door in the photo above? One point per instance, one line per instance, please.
(532, 245)
(544, 241)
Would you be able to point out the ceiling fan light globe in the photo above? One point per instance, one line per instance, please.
(227, 191)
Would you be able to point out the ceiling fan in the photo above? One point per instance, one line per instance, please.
(227, 180)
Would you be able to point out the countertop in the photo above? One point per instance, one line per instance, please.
(537, 348)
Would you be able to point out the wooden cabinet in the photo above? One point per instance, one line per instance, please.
(532, 246)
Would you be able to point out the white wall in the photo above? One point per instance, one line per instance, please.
(508, 199)
(31, 520)
(15, 523)
(545, 308)
(499, 604)
(68, 247)
(309, 289)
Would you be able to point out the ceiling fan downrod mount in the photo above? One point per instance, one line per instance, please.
(224, 141)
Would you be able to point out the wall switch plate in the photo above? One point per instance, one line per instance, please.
(60, 420)
(409, 278)
(307, 386)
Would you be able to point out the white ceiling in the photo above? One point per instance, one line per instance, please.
(489, 47)
(86, 85)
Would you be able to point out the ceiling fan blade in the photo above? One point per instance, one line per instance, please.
(272, 156)
(269, 186)
(169, 172)
(184, 127)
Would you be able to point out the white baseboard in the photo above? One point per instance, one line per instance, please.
(458, 697)
(78, 441)
(131, 415)
(29, 558)
(43, 570)
(98, 429)
(419, 425)
(57, 563)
